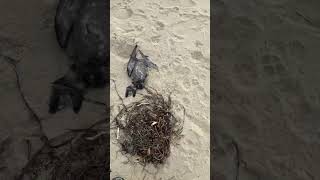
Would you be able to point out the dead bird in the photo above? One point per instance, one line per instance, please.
(137, 70)
(64, 89)
(82, 33)
(59, 95)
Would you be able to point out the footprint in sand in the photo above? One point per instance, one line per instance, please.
(195, 82)
(183, 70)
(296, 52)
(296, 49)
(121, 47)
(186, 101)
(197, 55)
(186, 84)
(201, 92)
(159, 25)
(272, 62)
(275, 70)
(272, 66)
(121, 12)
(246, 72)
(155, 39)
(139, 28)
(183, 3)
(198, 43)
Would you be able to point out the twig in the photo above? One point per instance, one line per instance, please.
(235, 145)
(29, 148)
(29, 163)
(304, 17)
(34, 116)
(96, 136)
(9, 59)
(115, 87)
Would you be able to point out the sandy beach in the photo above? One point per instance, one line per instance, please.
(176, 36)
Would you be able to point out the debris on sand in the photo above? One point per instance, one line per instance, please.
(77, 154)
(146, 128)
(137, 70)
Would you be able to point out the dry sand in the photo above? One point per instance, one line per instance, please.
(176, 36)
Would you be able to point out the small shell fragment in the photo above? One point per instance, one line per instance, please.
(154, 123)
(118, 132)
(143, 104)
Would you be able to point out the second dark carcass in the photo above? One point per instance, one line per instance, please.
(82, 31)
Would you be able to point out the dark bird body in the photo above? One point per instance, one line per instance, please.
(137, 70)
(81, 30)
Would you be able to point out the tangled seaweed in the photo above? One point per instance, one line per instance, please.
(147, 128)
(81, 155)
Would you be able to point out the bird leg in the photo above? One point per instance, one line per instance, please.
(130, 89)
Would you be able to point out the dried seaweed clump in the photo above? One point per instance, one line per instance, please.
(82, 155)
(147, 128)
